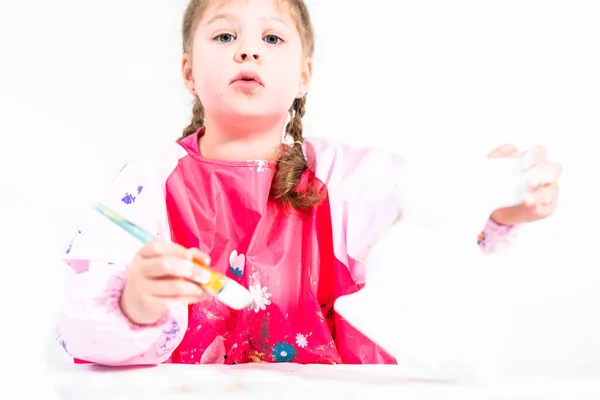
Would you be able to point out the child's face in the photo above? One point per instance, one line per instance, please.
(257, 38)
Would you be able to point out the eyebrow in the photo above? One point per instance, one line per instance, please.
(227, 16)
(219, 16)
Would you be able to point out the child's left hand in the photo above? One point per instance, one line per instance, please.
(541, 201)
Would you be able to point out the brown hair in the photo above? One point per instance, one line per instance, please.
(286, 188)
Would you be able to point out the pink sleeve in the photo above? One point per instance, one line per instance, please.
(362, 193)
(360, 184)
(91, 325)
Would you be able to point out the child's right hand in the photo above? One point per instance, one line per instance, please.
(162, 272)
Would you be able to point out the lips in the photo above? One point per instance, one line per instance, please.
(248, 76)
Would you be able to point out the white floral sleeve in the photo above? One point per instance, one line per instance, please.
(91, 326)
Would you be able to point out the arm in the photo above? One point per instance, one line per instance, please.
(91, 325)
(539, 203)
(365, 190)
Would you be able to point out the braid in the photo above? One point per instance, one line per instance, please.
(294, 127)
(197, 119)
(292, 165)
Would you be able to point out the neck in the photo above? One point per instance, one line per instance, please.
(241, 142)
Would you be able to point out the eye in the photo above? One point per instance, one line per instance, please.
(272, 39)
(225, 38)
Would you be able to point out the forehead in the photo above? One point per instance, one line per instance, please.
(272, 9)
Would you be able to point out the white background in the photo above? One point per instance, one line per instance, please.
(84, 86)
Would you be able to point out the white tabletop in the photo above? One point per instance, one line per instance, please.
(292, 381)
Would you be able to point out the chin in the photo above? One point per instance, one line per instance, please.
(253, 113)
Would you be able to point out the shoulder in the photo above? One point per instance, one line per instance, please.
(330, 159)
(154, 163)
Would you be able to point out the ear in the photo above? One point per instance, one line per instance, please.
(305, 78)
(187, 72)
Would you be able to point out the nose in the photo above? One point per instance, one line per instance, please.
(247, 53)
(245, 56)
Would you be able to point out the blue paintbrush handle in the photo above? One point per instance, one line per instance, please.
(137, 232)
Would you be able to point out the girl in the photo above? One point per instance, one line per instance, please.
(293, 225)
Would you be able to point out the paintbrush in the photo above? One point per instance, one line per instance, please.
(229, 292)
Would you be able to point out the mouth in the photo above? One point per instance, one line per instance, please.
(248, 76)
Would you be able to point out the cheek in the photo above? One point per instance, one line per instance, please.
(287, 75)
(209, 72)
(205, 77)
(209, 84)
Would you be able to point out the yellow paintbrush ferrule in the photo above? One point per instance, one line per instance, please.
(216, 283)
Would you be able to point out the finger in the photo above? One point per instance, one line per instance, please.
(507, 150)
(173, 267)
(186, 300)
(542, 197)
(544, 174)
(533, 157)
(159, 248)
(545, 210)
(199, 256)
(557, 168)
(553, 171)
(539, 153)
(172, 288)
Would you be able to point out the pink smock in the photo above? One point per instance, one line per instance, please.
(295, 266)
